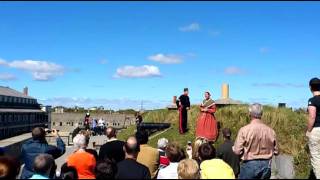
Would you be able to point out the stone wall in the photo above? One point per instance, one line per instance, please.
(68, 121)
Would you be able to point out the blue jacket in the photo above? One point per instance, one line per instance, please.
(32, 148)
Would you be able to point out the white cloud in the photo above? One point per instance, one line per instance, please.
(138, 71)
(264, 49)
(190, 27)
(7, 77)
(166, 59)
(40, 70)
(232, 70)
(3, 62)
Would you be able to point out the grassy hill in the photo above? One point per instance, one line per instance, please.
(288, 125)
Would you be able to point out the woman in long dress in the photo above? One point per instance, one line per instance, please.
(207, 127)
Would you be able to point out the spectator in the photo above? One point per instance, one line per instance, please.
(38, 145)
(212, 168)
(175, 155)
(256, 143)
(9, 167)
(101, 125)
(188, 169)
(106, 170)
(83, 161)
(68, 172)
(148, 155)
(94, 126)
(113, 149)
(44, 167)
(313, 128)
(195, 149)
(138, 118)
(189, 150)
(225, 152)
(130, 168)
(162, 145)
(91, 151)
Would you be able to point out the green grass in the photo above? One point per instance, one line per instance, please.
(288, 125)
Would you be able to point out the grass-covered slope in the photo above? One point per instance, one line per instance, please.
(288, 125)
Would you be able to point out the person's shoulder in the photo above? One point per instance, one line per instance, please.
(92, 151)
(244, 128)
(311, 101)
(314, 101)
(119, 141)
(142, 166)
(149, 149)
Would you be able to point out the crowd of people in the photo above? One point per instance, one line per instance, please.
(248, 157)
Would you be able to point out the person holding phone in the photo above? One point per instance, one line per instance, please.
(39, 145)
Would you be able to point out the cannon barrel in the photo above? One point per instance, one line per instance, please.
(153, 126)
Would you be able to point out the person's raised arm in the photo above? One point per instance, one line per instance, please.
(60, 149)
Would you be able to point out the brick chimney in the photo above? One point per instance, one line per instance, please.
(25, 91)
(174, 100)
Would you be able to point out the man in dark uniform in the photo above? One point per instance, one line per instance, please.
(138, 121)
(86, 122)
(183, 104)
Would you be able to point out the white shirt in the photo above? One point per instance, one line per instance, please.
(101, 122)
(169, 172)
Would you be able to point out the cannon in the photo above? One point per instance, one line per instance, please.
(152, 127)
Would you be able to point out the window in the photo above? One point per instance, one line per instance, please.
(53, 123)
(60, 123)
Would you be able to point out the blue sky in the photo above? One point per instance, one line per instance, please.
(116, 54)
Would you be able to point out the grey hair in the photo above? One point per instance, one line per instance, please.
(162, 143)
(79, 141)
(256, 110)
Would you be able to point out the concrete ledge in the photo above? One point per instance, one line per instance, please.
(12, 146)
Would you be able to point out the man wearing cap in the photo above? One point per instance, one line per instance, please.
(183, 104)
(226, 153)
(313, 126)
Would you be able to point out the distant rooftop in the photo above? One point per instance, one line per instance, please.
(7, 91)
(227, 101)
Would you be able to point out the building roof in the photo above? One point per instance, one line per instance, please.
(7, 91)
(226, 101)
(22, 110)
